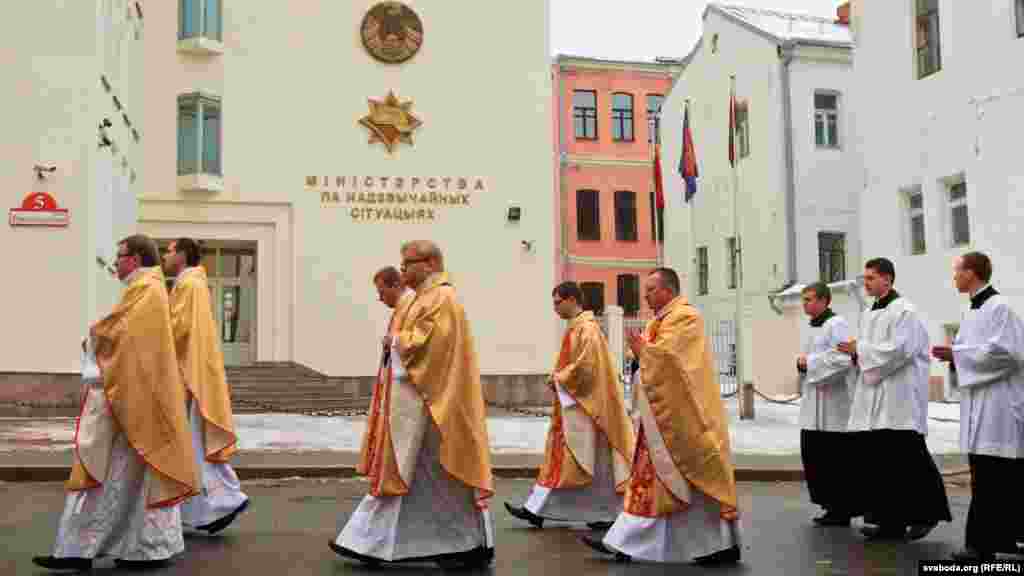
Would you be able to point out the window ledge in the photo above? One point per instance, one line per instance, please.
(201, 45)
(200, 183)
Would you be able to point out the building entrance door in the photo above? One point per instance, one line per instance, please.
(231, 270)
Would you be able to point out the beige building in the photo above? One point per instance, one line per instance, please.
(303, 142)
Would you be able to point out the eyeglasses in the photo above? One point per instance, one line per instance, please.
(405, 265)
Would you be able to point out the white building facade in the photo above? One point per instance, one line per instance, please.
(797, 177)
(269, 133)
(940, 109)
(72, 149)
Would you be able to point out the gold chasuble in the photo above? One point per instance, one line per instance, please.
(584, 371)
(135, 354)
(201, 361)
(377, 457)
(684, 435)
(438, 353)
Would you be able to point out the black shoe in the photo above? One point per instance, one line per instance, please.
(918, 531)
(832, 519)
(523, 514)
(884, 532)
(342, 551)
(727, 556)
(79, 564)
(600, 526)
(599, 546)
(972, 555)
(471, 559)
(140, 564)
(218, 525)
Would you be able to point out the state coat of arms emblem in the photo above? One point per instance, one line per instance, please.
(392, 32)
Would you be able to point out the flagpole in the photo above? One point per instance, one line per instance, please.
(692, 272)
(746, 411)
(651, 122)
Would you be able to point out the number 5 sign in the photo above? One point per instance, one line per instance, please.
(39, 209)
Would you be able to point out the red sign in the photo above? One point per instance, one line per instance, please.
(39, 209)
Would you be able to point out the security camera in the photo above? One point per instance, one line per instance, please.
(41, 169)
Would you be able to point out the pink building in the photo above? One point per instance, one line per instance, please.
(605, 128)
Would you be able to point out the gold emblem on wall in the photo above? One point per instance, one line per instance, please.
(390, 121)
(391, 32)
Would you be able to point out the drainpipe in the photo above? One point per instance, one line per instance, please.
(563, 207)
(785, 51)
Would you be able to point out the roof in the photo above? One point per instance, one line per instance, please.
(787, 26)
(659, 65)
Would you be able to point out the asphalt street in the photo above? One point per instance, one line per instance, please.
(287, 529)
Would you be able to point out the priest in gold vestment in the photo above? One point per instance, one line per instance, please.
(430, 472)
(590, 440)
(197, 342)
(133, 461)
(681, 501)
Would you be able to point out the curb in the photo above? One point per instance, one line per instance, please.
(42, 473)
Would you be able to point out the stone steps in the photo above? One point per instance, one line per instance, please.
(291, 387)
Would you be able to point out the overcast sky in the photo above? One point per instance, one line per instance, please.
(645, 29)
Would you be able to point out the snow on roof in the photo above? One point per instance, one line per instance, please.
(788, 26)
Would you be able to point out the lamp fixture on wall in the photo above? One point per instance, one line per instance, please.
(514, 213)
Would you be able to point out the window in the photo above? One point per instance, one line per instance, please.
(593, 296)
(654, 102)
(622, 117)
(199, 135)
(625, 216)
(657, 221)
(584, 113)
(1019, 5)
(629, 293)
(702, 269)
(826, 119)
(915, 208)
(199, 19)
(959, 224)
(929, 51)
(742, 130)
(731, 256)
(831, 256)
(588, 215)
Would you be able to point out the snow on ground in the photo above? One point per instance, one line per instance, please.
(773, 431)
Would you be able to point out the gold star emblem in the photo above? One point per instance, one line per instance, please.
(390, 121)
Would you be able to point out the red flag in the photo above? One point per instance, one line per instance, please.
(659, 195)
(732, 126)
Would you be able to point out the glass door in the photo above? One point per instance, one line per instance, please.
(231, 272)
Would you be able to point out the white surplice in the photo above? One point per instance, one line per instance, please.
(697, 531)
(891, 390)
(988, 353)
(439, 514)
(221, 492)
(597, 502)
(826, 398)
(112, 519)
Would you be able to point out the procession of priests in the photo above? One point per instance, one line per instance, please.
(652, 483)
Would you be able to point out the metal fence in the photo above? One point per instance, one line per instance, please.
(723, 345)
